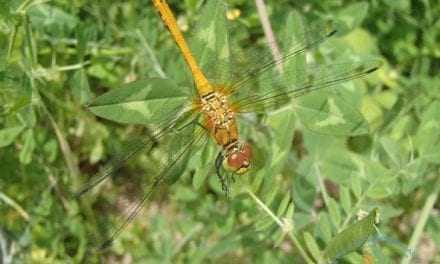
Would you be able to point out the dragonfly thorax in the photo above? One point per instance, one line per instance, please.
(219, 118)
(220, 121)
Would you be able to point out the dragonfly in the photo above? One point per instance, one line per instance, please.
(212, 113)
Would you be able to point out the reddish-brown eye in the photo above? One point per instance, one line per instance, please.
(239, 161)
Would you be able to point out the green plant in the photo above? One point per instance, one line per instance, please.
(56, 56)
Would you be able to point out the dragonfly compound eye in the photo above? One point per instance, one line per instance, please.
(239, 160)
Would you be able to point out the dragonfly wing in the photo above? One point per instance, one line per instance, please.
(243, 67)
(327, 108)
(258, 62)
(156, 102)
(185, 140)
(134, 147)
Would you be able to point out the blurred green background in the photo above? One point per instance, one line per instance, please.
(57, 55)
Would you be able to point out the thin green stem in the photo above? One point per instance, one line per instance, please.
(354, 209)
(9, 201)
(11, 43)
(325, 195)
(65, 148)
(268, 32)
(417, 234)
(30, 41)
(266, 209)
(23, 6)
(282, 226)
(196, 229)
(71, 67)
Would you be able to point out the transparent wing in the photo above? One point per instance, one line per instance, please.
(262, 61)
(315, 78)
(146, 143)
(185, 140)
(226, 64)
(321, 112)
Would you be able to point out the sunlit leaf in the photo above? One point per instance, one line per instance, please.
(80, 85)
(345, 199)
(28, 147)
(312, 246)
(8, 135)
(351, 238)
(53, 19)
(335, 212)
(354, 14)
(325, 226)
(142, 102)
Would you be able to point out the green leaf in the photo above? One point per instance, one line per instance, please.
(356, 186)
(345, 199)
(325, 226)
(393, 150)
(51, 150)
(5, 9)
(354, 14)
(28, 147)
(182, 140)
(290, 210)
(143, 102)
(335, 213)
(103, 71)
(283, 123)
(312, 246)
(283, 205)
(85, 33)
(384, 182)
(186, 194)
(328, 113)
(97, 152)
(383, 189)
(8, 135)
(53, 19)
(210, 43)
(270, 194)
(80, 86)
(361, 42)
(294, 29)
(352, 238)
(428, 135)
(339, 165)
(202, 162)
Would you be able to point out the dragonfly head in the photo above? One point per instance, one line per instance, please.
(238, 159)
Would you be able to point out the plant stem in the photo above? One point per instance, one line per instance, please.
(417, 234)
(11, 43)
(9, 201)
(282, 226)
(324, 192)
(268, 32)
(23, 6)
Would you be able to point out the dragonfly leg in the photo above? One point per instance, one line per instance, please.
(232, 178)
(223, 180)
